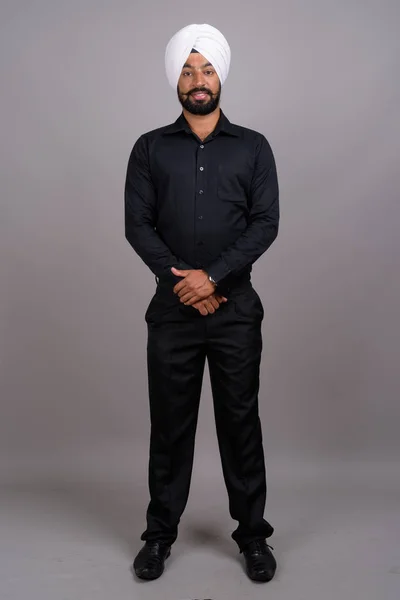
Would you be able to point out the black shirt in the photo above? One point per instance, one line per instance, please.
(193, 204)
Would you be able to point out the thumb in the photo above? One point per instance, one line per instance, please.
(178, 272)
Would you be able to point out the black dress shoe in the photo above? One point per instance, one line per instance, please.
(149, 563)
(260, 562)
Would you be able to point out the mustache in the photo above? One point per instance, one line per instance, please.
(199, 90)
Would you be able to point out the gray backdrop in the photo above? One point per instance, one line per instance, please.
(80, 81)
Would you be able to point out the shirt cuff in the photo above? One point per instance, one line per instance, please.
(218, 270)
(181, 266)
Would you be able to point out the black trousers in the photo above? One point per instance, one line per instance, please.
(180, 339)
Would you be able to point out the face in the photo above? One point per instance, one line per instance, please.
(199, 87)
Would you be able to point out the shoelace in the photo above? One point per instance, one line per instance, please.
(260, 548)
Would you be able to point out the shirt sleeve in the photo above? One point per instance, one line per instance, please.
(263, 220)
(141, 214)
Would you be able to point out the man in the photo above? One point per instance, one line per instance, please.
(201, 206)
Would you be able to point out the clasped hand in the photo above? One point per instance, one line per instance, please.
(195, 289)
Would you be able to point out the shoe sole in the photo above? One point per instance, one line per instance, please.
(261, 579)
(150, 578)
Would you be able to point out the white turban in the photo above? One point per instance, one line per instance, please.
(207, 40)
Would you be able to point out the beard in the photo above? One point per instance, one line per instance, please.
(200, 107)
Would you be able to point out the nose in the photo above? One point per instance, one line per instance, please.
(199, 79)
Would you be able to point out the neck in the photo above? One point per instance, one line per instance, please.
(202, 125)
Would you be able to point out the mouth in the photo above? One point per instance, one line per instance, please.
(200, 95)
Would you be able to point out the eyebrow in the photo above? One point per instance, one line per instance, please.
(187, 66)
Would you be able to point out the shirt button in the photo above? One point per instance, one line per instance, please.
(201, 192)
(202, 146)
(200, 217)
(201, 168)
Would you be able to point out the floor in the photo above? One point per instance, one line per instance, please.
(70, 532)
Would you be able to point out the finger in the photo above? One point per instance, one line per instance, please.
(201, 308)
(194, 296)
(179, 286)
(209, 306)
(191, 288)
(214, 302)
(193, 300)
(184, 290)
(179, 273)
(190, 296)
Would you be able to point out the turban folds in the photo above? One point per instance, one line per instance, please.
(207, 40)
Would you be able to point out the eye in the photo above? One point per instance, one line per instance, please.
(209, 72)
(186, 73)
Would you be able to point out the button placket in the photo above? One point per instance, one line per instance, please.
(200, 190)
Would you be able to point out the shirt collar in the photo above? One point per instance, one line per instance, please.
(223, 125)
